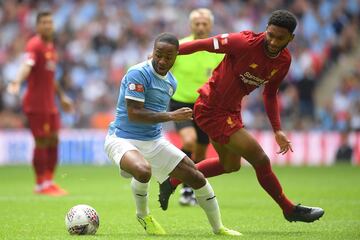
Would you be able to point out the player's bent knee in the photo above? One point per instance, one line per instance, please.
(234, 167)
(188, 145)
(196, 180)
(142, 172)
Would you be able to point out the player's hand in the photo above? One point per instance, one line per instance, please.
(67, 104)
(181, 114)
(283, 142)
(14, 88)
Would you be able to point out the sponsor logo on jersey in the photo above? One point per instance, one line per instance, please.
(136, 87)
(250, 79)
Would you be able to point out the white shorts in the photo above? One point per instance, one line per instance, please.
(162, 155)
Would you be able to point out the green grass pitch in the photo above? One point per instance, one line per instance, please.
(245, 206)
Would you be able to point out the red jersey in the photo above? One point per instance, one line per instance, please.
(244, 68)
(40, 93)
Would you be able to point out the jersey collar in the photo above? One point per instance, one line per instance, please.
(155, 73)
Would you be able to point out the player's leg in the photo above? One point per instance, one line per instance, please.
(202, 143)
(52, 161)
(37, 125)
(187, 172)
(187, 135)
(188, 138)
(132, 164)
(242, 143)
(227, 162)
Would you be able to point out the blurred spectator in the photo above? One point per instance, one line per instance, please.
(345, 151)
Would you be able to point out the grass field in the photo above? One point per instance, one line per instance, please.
(244, 205)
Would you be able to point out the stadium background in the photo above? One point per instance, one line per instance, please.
(98, 40)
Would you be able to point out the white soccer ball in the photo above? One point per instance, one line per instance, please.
(82, 220)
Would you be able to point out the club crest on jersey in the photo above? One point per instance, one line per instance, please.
(48, 55)
(136, 87)
(171, 91)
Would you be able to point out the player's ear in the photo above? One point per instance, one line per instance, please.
(292, 37)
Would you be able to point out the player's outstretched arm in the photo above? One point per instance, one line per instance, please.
(14, 86)
(197, 45)
(138, 113)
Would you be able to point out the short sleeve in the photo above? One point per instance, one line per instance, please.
(135, 86)
(31, 53)
(229, 43)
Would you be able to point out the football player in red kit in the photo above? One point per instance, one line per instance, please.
(251, 60)
(39, 103)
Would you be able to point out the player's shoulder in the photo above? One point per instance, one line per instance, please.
(251, 37)
(139, 70)
(285, 55)
(34, 42)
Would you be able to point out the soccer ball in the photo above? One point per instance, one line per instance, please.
(82, 220)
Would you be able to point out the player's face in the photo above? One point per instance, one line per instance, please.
(164, 56)
(277, 38)
(201, 27)
(45, 27)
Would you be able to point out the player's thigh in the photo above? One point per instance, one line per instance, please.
(162, 155)
(39, 124)
(134, 163)
(230, 160)
(188, 137)
(126, 156)
(200, 152)
(245, 145)
(54, 122)
(187, 172)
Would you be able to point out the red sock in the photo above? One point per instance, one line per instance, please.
(40, 163)
(209, 167)
(271, 185)
(52, 162)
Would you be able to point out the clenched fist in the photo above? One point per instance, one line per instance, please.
(181, 114)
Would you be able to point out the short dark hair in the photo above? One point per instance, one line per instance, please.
(42, 14)
(167, 38)
(283, 18)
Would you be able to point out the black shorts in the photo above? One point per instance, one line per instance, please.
(202, 137)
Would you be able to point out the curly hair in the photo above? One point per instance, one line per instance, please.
(283, 18)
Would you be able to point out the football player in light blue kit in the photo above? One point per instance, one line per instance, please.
(136, 144)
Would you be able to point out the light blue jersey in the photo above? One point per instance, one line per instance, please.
(142, 83)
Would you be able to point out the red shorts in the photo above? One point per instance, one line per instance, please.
(217, 123)
(43, 124)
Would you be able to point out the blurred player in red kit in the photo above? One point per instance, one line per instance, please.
(39, 103)
(251, 60)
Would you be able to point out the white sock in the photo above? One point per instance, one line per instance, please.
(140, 193)
(207, 201)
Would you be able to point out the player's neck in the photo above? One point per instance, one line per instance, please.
(46, 39)
(271, 55)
